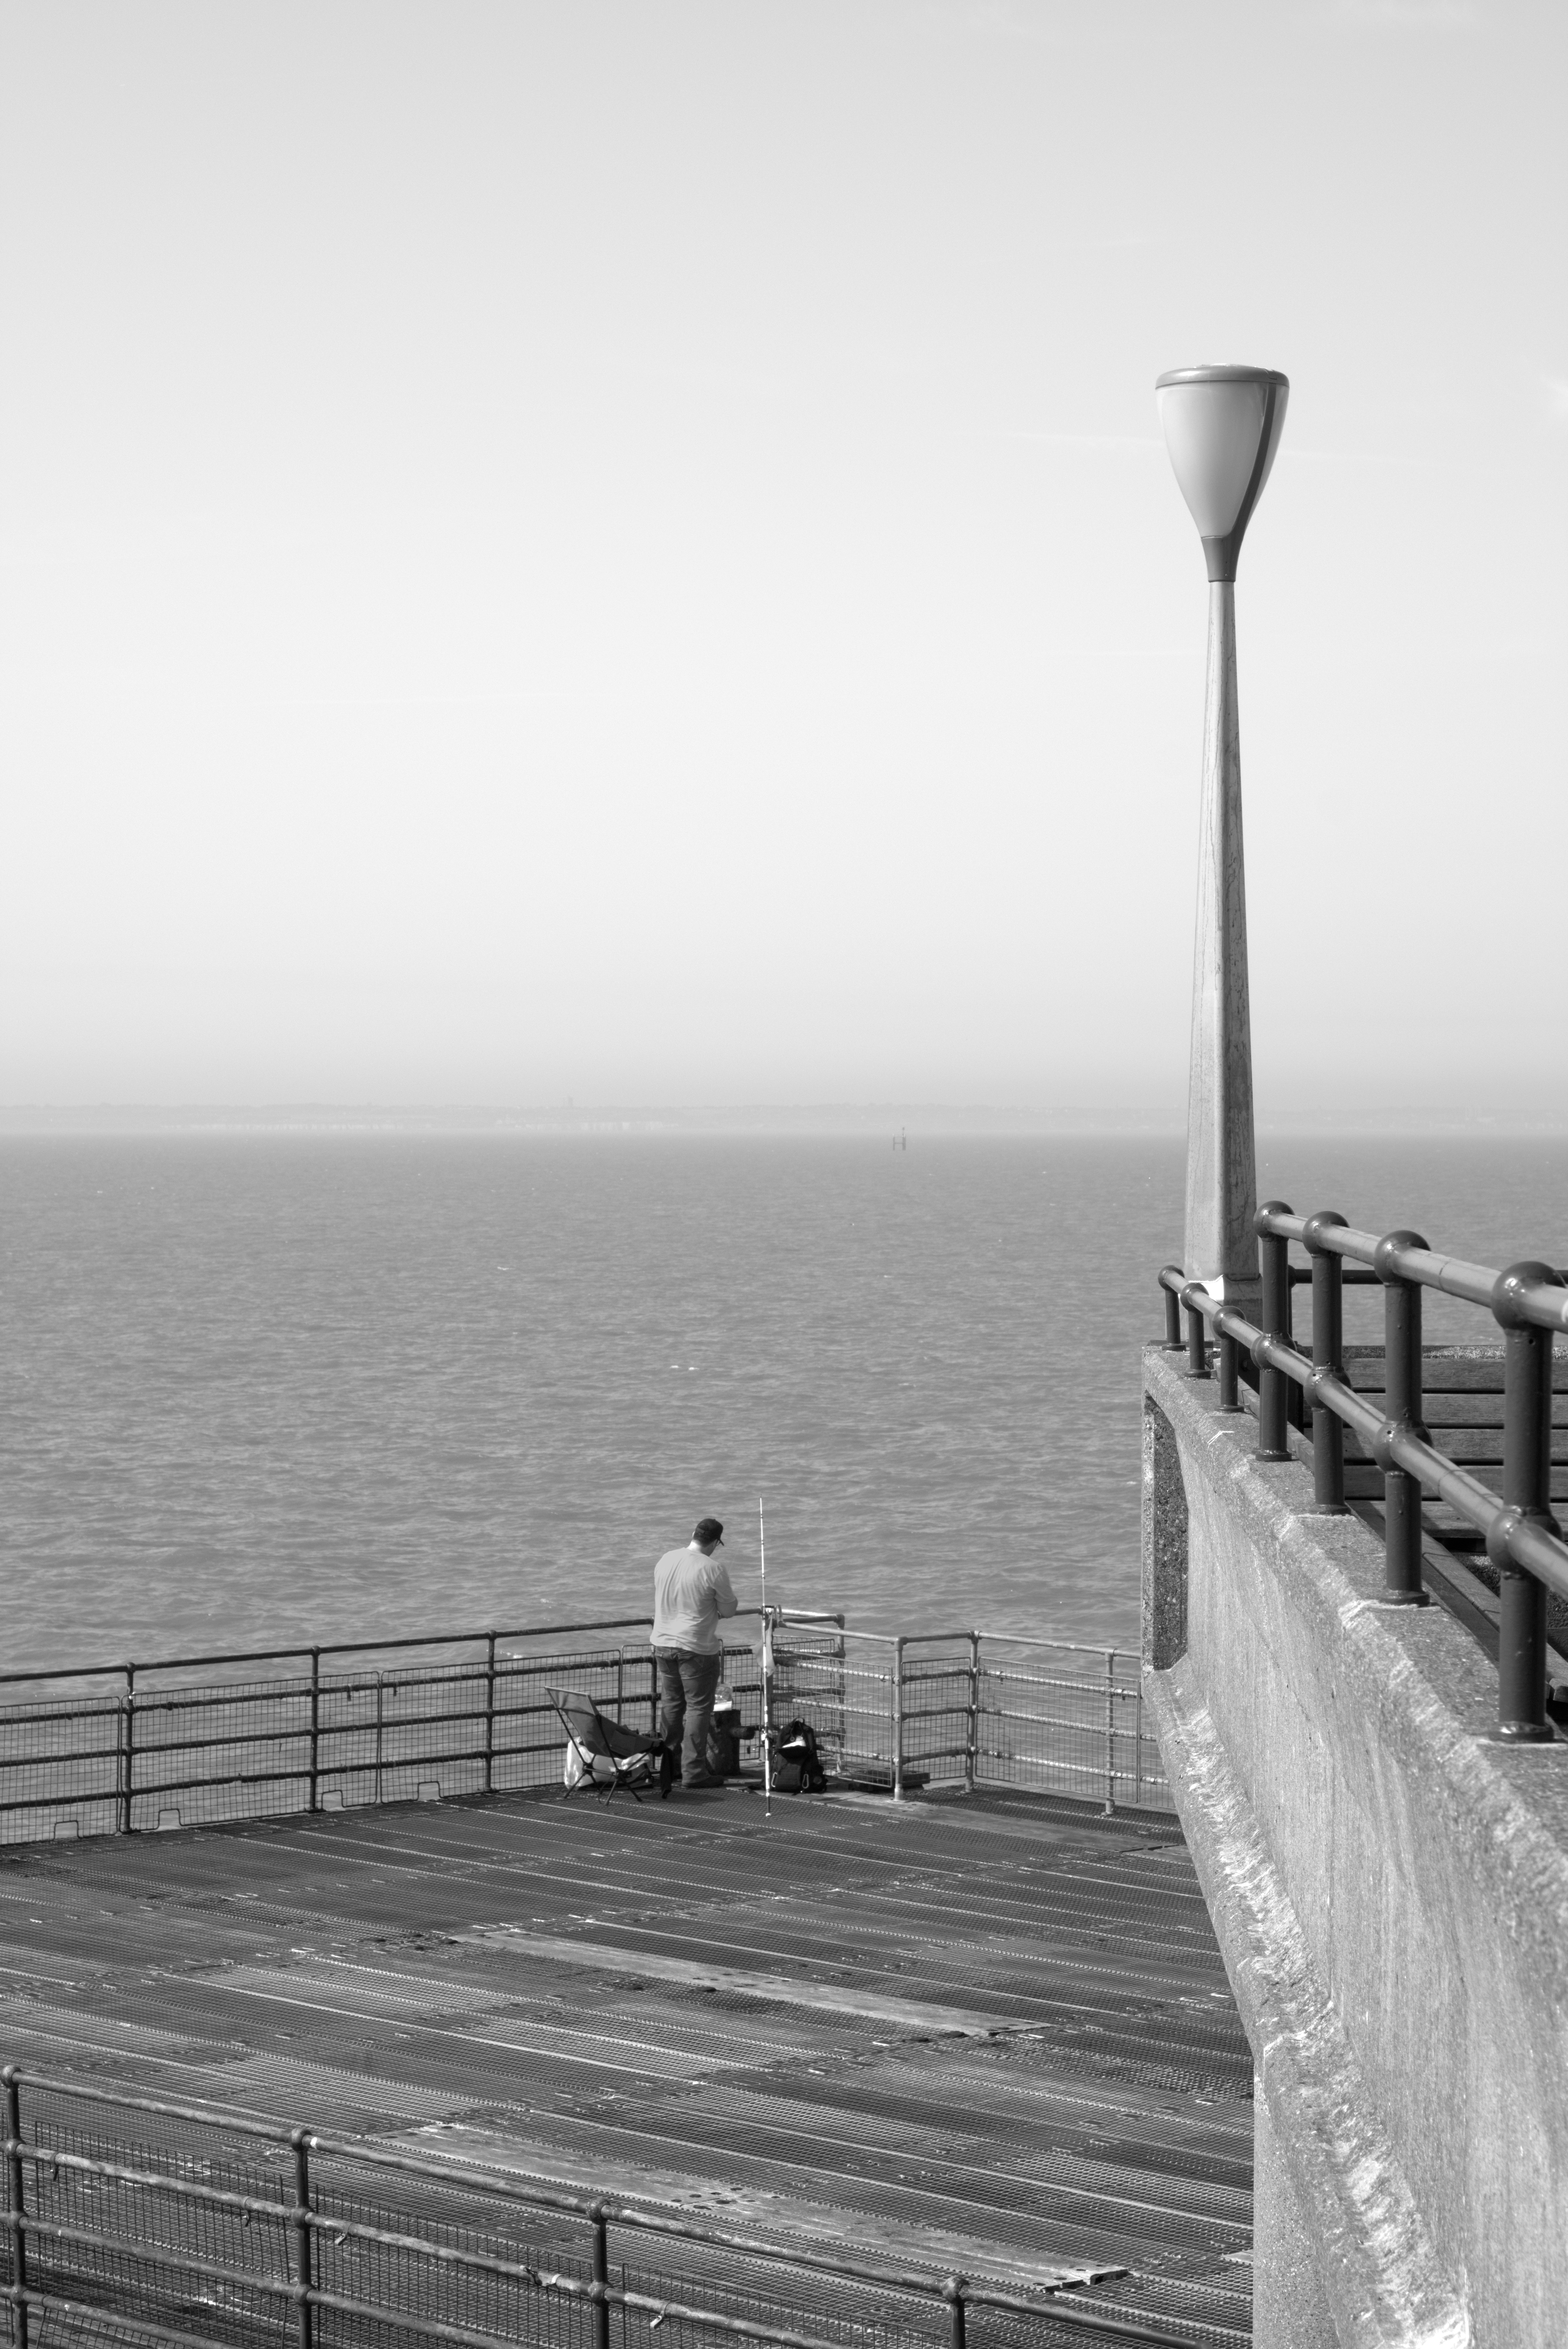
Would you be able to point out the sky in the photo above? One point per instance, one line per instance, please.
(622, 554)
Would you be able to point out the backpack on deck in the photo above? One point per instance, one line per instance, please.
(798, 1768)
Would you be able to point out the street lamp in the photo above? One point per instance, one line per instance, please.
(1222, 426)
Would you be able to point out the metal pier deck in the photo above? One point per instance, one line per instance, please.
(990, 2033)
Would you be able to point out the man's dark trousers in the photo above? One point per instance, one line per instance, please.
(689, 1683)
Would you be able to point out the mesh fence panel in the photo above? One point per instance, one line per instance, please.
(528, 1738)
(939, 1704)
(1067, 1721)
(843, 1688)
(405, 2282)
(193, 1755)
(59, 1767)
(132, 2246)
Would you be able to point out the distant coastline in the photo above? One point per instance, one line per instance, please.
(876, 1119)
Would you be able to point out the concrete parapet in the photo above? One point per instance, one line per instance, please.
(1390, 1890)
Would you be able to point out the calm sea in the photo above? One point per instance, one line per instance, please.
(266, 1389)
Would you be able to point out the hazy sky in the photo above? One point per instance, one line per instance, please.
(624, 550)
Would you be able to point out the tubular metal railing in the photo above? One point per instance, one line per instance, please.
(986, 1709)
(1529, 1302)
(172, 1743)
(241, 2230)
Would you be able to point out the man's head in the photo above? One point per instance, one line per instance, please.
(709, 1536)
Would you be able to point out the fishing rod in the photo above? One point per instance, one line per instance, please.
(766, 1670)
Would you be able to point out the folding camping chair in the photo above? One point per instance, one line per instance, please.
(610, 1756)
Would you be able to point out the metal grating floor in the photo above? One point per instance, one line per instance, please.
(987, 2033)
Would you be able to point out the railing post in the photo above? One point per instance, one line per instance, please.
(1402, 1401)
(490, 1713)
(971, 1747)
(1526, 1494)
(16, 2205)
(1138, 1748)
(314, 1723)
(1327, 1346)
(953, 2294)
(379, 1716)
(1295, 1403)
(1172, 1306)
(300, 2219)
(1230, 1370)
(898, 1719)
(600, 2277)
(127, 1749)
(1274, 1265)
(1109, 1733)
(1197, 1349)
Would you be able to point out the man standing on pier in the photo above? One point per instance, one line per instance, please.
(691, 1596)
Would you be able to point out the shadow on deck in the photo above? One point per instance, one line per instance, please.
(989, 2033)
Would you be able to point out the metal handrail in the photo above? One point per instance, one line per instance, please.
(1032, 1639)
(301, 2215)
(1529, 1301)
(1544, 1302)
(306, 1649)
(322, 1648)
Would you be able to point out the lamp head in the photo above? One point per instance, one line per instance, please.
(1221, 428)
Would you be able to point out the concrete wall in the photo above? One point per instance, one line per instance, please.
(1390, 1891)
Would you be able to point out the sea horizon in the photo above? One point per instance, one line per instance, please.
(825, 1120)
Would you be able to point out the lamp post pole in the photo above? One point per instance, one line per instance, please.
(1220, 1247)
(1221, 427)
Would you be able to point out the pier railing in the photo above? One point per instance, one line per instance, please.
(1527, 1303)
(979, 1709)
(132, 2219)
(193, 1740)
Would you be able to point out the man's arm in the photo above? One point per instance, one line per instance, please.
(724, 1597)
